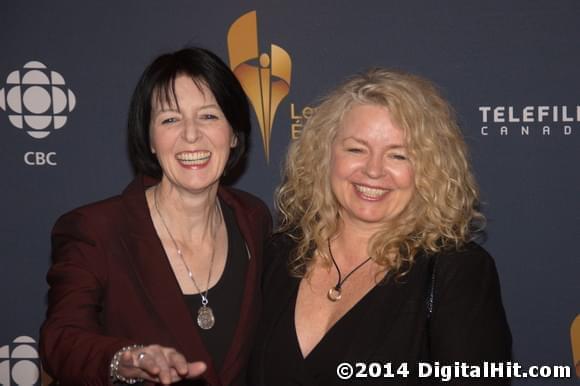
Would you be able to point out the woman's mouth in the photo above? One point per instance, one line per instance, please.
(369, 192)
(194, 158)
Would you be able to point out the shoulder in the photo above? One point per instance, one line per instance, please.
(247, 205)
(84, 237)
(279, 246)
(467, 250)
(277, 253)
(114, 212)
(281, 241)
(465, 271)
(98, 214)
(469, 259)
(244, 200)
(108, 214)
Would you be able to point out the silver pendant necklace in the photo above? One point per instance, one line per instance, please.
(205, 316)
(335, 293)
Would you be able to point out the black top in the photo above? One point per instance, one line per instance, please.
(225, 298)
(388, 325)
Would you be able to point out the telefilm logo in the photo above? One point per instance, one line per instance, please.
(265, 84)
(19, 364)
(542, 120)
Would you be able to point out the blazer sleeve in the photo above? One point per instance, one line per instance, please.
(74, 348)
(469, 322)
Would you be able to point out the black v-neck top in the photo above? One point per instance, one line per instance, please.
(225, 298)
(388, 325)
(326, 353)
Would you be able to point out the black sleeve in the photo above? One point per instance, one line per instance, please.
(469, 323)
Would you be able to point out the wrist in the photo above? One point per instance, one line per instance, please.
(116, 361)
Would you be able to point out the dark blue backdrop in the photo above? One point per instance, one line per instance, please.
(485, 55)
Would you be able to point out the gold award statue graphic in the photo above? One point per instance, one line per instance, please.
(575, 339)
(267, 84)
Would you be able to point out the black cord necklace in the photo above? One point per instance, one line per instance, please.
(335, 293)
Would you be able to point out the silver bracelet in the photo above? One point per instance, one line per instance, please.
(114, 366)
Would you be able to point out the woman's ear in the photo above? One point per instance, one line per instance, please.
(152, 148)
(234, 141)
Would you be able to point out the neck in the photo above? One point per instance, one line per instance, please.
(191, 217)
(351, 243)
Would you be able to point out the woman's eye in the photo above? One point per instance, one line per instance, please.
(209, 117)
(399, 157)
(354, 150)
(168, 120)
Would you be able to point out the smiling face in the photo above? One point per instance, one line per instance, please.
(191, 138)
(370, 173)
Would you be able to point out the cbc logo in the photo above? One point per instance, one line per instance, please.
(36, 99)
(37, 158)
(19, 362)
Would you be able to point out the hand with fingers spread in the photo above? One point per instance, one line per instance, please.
(155, 363)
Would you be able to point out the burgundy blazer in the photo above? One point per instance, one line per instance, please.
(111, 285)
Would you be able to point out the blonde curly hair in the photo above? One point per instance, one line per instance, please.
(443, 211)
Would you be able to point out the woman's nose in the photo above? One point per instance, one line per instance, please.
(375, 167)
(191, 131)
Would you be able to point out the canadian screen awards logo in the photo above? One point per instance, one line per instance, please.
(266, 82)
(19, 364)
(36, 99)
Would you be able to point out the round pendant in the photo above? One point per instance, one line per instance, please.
(334, 294)
(205, 318)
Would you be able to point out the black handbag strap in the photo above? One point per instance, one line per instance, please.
(430, 286)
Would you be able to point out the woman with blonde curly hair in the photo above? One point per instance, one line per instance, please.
(375, 259)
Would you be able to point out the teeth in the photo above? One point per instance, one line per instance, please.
(194, 158)
(371, 192)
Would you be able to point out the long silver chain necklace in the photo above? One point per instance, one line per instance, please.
(205, 316)
(335, 293)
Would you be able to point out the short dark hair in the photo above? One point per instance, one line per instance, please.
(204, 67)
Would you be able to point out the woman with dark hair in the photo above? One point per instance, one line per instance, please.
(375, 265)
(160, 284)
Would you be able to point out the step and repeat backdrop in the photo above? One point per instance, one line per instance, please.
(510, 68)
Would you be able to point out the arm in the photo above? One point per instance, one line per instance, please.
(73, 345)
(469, 322)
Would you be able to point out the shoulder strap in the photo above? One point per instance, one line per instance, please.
(429, 301)
(430, 286)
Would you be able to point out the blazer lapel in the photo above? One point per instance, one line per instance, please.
(239, 348)
(158, 280)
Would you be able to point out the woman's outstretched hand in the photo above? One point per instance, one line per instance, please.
(158, 364)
